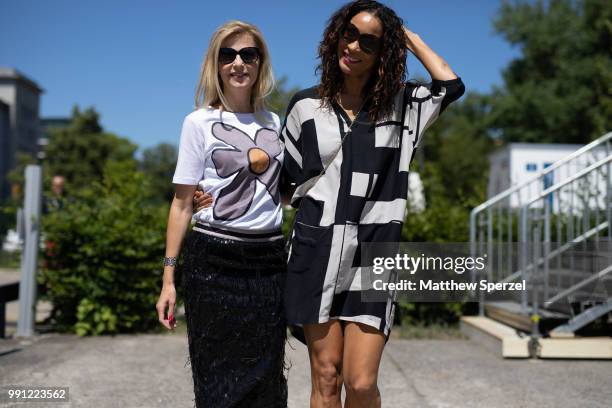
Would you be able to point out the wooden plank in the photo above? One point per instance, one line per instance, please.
(576, 348)
(505, 338)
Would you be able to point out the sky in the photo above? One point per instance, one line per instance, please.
(137, 62)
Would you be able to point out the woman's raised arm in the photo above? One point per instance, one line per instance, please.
(435, 65)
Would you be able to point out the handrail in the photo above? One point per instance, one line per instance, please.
(541, 173)
(575, 177)
(579, 285)
(542, 207)
(577, 240)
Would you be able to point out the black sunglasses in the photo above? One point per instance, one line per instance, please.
(367, 42)
(248, 55)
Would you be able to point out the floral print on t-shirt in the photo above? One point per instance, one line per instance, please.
(247, 161)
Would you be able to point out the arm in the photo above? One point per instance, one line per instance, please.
(179, 218)
(446, 86)
(435, 65)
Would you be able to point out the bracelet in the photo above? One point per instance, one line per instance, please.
(170, 261)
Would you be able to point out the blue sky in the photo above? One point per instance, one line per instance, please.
(137, 62)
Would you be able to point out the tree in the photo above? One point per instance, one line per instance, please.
(17, 176)
(279, 99)
(102, 256)
(9, 206)
(559, 89)
(458, 146)
(80, 151)
(158, 164)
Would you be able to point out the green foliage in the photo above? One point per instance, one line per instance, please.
(7, 217)
(559, 89)
(80, 151)
(457, 144)
(103, 252)
(279, 99)
(447, 313)
(158, 164)
(288, 218)
(17, 175)
(94, 318)
(10, 260)
(419, 331)
(443, 220)
(8, 210)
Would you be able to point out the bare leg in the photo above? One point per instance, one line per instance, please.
(325, 342)
(363, 347)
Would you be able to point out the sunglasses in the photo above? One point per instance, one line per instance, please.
(248, 55)
(367, 42)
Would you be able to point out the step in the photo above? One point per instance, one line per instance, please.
(510, 313)
(495, 336)
(575, 348)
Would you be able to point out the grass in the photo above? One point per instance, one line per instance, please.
(10, 260)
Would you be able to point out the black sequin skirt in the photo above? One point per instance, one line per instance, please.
(235, 321)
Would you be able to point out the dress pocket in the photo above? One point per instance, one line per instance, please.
(309, 246)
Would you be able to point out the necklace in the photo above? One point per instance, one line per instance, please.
(354, 120)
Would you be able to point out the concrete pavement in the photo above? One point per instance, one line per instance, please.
(151, 371)
(147, 371)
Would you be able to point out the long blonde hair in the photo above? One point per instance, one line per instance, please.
(209, 90)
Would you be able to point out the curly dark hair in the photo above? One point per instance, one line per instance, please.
(389, 73)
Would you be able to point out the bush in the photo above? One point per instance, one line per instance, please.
(430, 314)
(103, 256)
(288, 219)
(444, 219)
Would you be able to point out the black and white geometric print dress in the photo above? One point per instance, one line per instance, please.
(360, 197)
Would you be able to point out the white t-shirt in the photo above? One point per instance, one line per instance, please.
(237, 158)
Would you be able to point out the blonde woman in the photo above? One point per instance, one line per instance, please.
(234, 260)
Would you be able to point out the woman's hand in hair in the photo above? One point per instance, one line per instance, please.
(201, 200)
(435, 65)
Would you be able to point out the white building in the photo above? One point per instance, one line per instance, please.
(516, 163)
(22, 96)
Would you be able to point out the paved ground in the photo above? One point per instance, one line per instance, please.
(12, 308)
(149, 371)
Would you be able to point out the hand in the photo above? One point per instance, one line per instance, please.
(167, 299)
(410, 36)
(201, 200)
(435, 65)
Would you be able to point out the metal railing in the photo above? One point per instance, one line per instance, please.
(554, 231)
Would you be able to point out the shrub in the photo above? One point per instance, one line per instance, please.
(103, 256)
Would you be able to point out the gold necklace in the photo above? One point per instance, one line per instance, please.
(354, 120)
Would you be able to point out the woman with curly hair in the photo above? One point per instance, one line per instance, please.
(348, 145)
